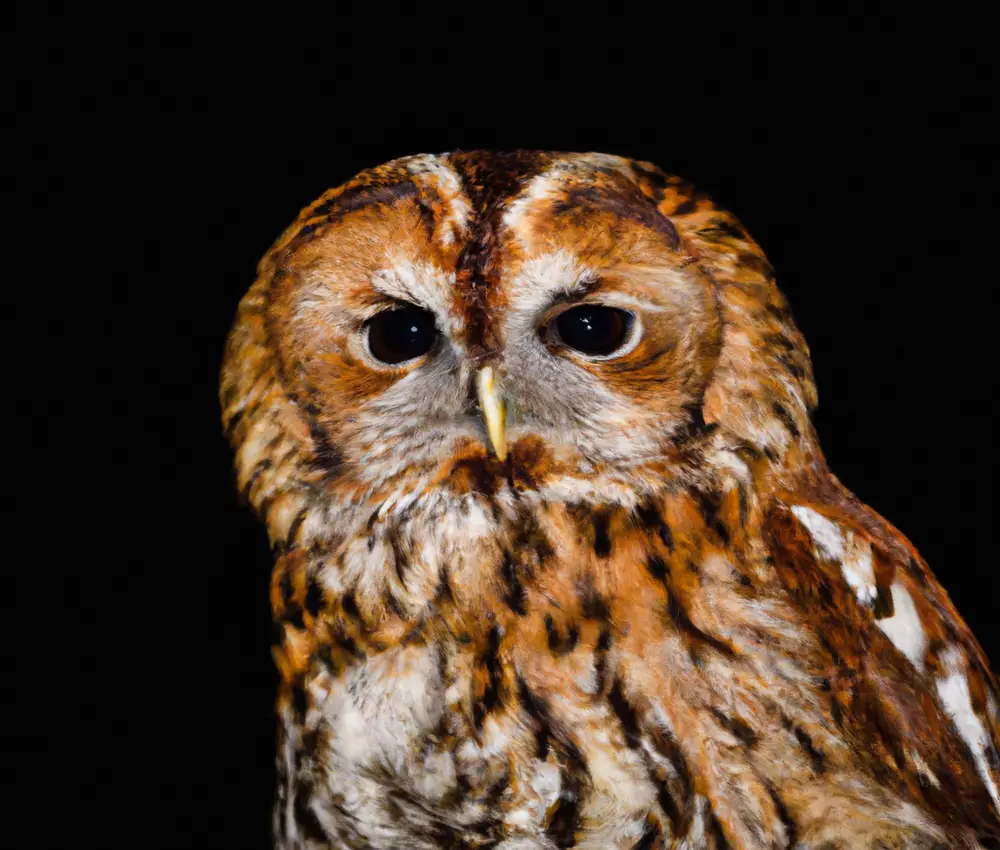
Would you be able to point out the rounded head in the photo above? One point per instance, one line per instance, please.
(578, 324)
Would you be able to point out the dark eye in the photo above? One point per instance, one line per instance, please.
(401, 334)
(593, 329)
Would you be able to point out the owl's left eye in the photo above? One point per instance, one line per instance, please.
(595, 330)
(395, 336)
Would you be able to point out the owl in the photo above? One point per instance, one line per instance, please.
(558, 559)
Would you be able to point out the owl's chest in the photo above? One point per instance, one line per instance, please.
(425, 746)
(453, 722)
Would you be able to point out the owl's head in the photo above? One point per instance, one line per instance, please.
(576, 325)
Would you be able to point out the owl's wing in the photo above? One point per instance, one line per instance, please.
(909, 683)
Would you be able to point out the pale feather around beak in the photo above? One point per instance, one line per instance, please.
(493, 411)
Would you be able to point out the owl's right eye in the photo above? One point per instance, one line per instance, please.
(405, 333)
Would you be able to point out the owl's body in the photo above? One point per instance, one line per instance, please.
(639, 612)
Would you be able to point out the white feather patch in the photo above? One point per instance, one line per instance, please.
(538, 187)
(903, 628)
(825, 534)
(853, 554)
(953, 691)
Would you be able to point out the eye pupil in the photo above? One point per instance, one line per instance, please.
(593, 329)
(395, 336)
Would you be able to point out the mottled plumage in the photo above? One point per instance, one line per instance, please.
(652, 617)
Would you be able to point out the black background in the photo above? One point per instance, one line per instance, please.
(162, 157)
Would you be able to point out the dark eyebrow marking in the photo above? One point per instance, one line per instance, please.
(363, 196)
(622, 204)
(351, 199)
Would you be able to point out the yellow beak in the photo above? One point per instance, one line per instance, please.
(493, 410)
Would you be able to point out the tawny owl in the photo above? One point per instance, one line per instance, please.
(559, 562)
